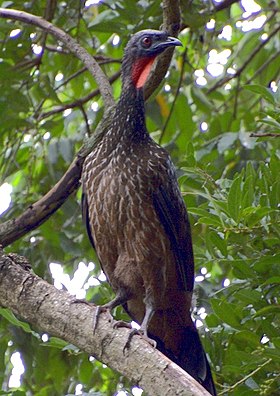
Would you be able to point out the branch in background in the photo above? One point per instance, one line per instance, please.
(176, 95)
(266, 134)
(246, 63)
(54, 311)
(77, 103)
(171, 23)
(225, 4)
(71, 44)
(245, 378)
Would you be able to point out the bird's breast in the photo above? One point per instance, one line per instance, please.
(122, 217)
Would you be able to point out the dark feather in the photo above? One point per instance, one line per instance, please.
(174, 219)
(85, 215)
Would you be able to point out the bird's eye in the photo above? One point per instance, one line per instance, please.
(146, 42)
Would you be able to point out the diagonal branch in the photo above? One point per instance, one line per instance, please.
(246, 63)
(40, 211)
(77, 103)
(54, 312)
(36, 214)
(176, 96)
(71, 44)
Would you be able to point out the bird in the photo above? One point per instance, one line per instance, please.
(137, 221)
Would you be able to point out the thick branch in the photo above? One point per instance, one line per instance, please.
(40, 211)
(71, 44)
(54, 312)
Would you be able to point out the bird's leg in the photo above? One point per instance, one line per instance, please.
(120, 298)
(143, 331)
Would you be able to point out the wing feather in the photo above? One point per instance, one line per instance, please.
(173, 215)
(85, 215)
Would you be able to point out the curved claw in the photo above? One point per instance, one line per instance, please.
(100, 309)
(121, 323)
(143, 336)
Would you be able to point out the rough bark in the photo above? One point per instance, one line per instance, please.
(55, 312)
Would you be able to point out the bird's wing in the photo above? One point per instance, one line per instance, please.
(173, 216)
(85, 215)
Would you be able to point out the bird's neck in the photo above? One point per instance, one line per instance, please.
(129, 123)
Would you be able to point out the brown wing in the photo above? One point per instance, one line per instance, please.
(172, 213)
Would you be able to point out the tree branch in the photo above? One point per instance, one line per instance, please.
(171, 23)
(175, 96)
(266, 134)
(246, 63)
(54, 311)
(71, 44)
(76, 103)
(36, 214)
(225, 4)
(40, 211)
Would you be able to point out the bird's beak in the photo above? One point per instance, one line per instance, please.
(168, 42)
(174, 41)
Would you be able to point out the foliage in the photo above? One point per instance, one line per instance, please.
(230, 180)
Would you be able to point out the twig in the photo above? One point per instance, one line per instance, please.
(71, 44)
(225, 4)
(176, 96)
(267, 134)
(86, 119)
(78, 102)
(245, 378)
(245, 64)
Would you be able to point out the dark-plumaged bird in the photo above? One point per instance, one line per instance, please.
(137, 220)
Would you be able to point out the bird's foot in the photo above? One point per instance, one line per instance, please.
(121, 323)
(82, 301)
(143, 335)
(100, 309)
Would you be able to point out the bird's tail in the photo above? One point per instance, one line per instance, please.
(187, 351)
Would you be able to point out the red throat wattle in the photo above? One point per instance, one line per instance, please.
(141, 70)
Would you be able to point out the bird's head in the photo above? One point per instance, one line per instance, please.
(141, 52)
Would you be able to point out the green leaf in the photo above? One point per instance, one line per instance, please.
(265, 263)
(210, 220)
(8, 315)
(218, 242)
(234, 198)
(269, 310)
(226, 312)
(261, 90)
(226, 141)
